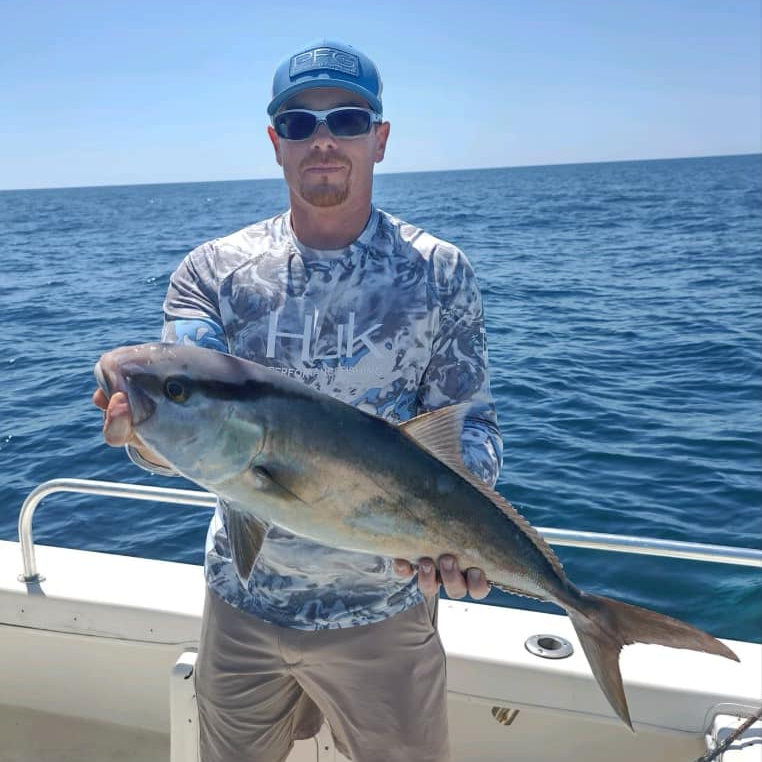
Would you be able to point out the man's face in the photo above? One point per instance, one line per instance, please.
(323, 170)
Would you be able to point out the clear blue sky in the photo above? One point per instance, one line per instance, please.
(106, 92)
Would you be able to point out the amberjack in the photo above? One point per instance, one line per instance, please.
(277, 452)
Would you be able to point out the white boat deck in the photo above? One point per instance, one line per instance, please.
(28, 735)
(88, 658)
(32, 736)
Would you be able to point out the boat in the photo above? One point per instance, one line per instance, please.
(97, 653)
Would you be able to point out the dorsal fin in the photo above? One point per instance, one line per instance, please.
(439, 433)
(513, 515)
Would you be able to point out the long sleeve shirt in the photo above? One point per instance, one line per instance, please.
(392, 324)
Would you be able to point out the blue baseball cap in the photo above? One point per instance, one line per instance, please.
(327, 64)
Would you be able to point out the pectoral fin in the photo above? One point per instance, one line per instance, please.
(246, 533)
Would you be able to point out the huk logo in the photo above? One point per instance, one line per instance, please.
(347, 340)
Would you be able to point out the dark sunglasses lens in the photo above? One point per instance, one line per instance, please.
(348, 122)
(296, 125)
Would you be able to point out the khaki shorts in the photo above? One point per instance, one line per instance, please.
(380, 686)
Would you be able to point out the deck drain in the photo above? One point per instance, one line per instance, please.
(549, 646)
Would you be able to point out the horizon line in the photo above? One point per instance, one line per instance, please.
(380, 173)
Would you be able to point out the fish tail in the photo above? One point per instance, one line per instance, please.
(604, 625)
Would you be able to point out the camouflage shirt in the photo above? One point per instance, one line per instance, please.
(392, 324)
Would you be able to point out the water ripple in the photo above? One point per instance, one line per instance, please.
(623, 303)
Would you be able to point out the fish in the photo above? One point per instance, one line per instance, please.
(277, 452)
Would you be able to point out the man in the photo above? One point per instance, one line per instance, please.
(383, 316)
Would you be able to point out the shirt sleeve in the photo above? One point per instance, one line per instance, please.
(191, 316)
(458, 371)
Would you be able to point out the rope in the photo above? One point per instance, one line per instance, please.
(714, 753)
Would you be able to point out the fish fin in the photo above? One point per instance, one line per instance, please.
(515, 591)
(604, 626)
(246, 533)
(264, 480)
(439, 433)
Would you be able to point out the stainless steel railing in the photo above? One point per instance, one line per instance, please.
(92, 487)
(648, 546)
(597, 541)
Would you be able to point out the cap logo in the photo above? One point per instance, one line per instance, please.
(324, 58)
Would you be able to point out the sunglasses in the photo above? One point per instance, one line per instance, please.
(343, 122)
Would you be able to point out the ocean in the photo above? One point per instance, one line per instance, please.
(624, 312)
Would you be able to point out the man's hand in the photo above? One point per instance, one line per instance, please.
(117, 419)
(117, 425)
(456, 583)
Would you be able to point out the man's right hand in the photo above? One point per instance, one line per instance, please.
(117, 426)
(117, 418)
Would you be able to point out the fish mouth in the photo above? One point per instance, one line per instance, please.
(112, 377)
(101, 380)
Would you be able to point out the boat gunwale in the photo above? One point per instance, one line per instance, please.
(563, 537)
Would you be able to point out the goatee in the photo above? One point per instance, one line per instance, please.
(325, 193)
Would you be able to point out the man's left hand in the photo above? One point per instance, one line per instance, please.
(456, 583)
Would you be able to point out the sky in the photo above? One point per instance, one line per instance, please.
(151, 91)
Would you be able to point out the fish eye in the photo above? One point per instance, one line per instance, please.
(176, 389)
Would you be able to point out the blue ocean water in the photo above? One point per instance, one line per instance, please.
(624, 309)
